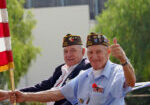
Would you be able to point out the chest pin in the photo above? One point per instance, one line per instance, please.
(81, 100)
(88, 100)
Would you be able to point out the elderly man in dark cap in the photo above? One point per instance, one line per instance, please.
(74, 63)
(106, 83)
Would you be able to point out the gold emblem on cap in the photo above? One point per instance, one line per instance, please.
(94, 37)
(81, 100)
(99, 36)
(89, 43)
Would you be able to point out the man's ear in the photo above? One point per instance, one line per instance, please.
(83, 51)
(108, 50)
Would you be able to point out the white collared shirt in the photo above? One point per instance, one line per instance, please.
(97, 73)
(65, 73)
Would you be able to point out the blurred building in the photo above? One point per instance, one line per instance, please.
(95, 6)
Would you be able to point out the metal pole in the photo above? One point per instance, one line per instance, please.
(96, 7)
(62, 2)
(11, 72)
(29, 4)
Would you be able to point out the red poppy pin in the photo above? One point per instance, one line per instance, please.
(97, 88)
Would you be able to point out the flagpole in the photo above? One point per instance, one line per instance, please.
(6, 54)
(11, 72)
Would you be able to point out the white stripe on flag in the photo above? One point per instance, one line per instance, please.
(5, 44)
(3, 16)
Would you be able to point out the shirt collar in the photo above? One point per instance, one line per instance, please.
(69, 69)
(97, 73)
(107, 69)
(72, 67)
(105, 72)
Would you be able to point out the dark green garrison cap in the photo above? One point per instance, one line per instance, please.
(96, 39)
(69, 40)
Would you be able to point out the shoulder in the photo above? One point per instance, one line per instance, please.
(114, 71)
(59, 67)
(84, 73)
(117, 73)
(85, 64)
(116, 68)
(58, 70)
(85, 61)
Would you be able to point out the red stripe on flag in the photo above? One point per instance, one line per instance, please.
(5, 57)
(4, 30)
(2, 3)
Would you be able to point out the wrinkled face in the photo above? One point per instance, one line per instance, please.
(73, 54)
(98, 56)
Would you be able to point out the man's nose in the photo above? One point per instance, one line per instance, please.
(69, 54)
(94, 56)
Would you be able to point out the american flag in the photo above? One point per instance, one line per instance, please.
(6, 58)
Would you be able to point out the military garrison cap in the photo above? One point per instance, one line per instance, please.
(96, 39)
(69, 40)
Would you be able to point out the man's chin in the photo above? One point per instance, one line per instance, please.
(70, 64)
(96, 67)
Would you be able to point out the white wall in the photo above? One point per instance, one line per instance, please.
(52, 25)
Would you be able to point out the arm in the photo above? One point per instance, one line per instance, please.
(129, 73)
(119, 53)
(3, 95)
(44, 96)
(46, 84)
